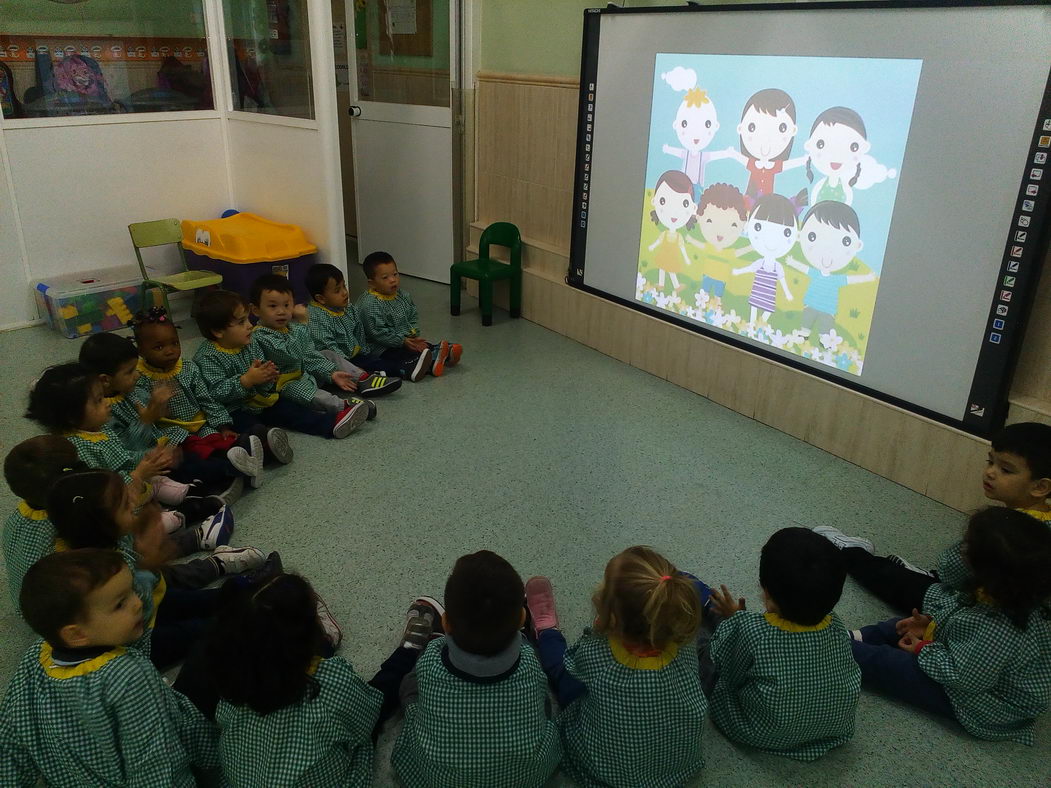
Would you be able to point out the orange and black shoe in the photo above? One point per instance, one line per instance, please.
(441, 356)
(455, 352)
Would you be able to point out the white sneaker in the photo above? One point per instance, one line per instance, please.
(168, 491)
(352, 417)
(333, 634)
(841, 540)
(235, 560)
(250, 463)
(277, 439)
(217, 529)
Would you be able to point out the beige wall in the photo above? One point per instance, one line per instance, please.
(524, 157)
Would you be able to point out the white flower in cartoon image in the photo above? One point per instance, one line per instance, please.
(719, 320)
(663, 300)
(733, 318)
(831, 340)
(859, 363)
(779, 339)
(797, 337)
(702, 298)
(675, 300)
(640, 282)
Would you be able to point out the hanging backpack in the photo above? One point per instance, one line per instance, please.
(9, 105)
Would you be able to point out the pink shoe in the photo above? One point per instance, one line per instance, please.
(172, 521)
(540, 599)
(168, 491)
(333, 634)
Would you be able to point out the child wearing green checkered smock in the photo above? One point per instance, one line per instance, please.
(302, 369)
(222, 369)
(980, 654)
(81, 707)
(633, 709)
(286, 715)
(785, 679)
(28, 537)
(193, 410)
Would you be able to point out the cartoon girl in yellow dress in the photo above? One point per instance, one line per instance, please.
(673, 208)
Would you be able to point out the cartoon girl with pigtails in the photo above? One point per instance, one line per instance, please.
(673, 208)
(767, 131)
(695, 125)
(838, 149)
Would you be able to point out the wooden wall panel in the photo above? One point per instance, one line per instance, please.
(526, 128)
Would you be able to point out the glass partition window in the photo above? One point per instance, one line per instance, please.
(403, 51)
(268, 43)
(102, 57)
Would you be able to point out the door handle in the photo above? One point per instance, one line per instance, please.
(354, 111)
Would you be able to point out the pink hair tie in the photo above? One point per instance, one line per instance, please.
(665, 577)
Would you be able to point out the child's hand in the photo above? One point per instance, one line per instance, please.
(915, 625)
(724, 603)
(151, 542)
(415, 344)
(259, 373)
(908, 642)
(345, 381)
(157, 406)
(226, 432)
(156, 462)
(300, 313)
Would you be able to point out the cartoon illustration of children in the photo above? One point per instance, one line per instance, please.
(721, 216)
(767, 131)
(673, 208)
(695, 125)
(772, 231)
(830, 238)
(838, 149)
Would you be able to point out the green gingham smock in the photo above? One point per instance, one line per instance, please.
(28, 537)
(137, 436)
(222, 369)
(293, 351)
(484, 734)
(387, 319)
(997, 676)
(107, 721)
(784, 688)
(192, 410)
(326, 741)
(103, 450)
(640, 722)
(341, 331)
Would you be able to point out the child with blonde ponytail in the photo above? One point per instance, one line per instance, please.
(633, 705)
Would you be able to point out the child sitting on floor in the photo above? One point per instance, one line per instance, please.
(981, 655)
(301, 369)
(242, 381)
(786, 683)
(633, 705)
(115, 359)
(338, 333)
(30, 469)
(1017, 474)
(287, 716)
(476, 704)
(392, 325)
(81, 708)
(196, 423)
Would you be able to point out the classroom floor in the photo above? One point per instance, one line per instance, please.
(557, 457)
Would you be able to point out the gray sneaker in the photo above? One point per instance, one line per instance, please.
(235, 560)
(423, 619)
(368, 404)
(248, 461)
(277, 441)
(352, 417)
(841, 540)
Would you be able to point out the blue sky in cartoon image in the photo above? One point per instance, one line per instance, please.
(881, 92)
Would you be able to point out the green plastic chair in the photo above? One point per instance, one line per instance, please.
(159, 233)
(487, 270)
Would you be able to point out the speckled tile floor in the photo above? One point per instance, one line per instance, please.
(557, 457)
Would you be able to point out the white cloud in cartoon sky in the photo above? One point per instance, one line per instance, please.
(680, 78)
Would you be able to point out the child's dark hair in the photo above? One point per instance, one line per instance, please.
(724, 197)
(55, 587)
(483, 602)
(154, 316)
(373, 260)
(843, 116)
(1009, 553)
(33, 465)
(318, 277)
(680, 183)
(59, 398)
(104, 354)
(803, 573)
(775, 208)
(273, 282)
(81, 506)
(1031, 441)
(644, 599)
(265, 638)
(835, 214)
(771, 101)
(215, 311)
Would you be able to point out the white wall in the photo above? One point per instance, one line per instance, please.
(78, 187)
(16, 301)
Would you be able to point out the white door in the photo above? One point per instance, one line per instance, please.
(405, 64)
